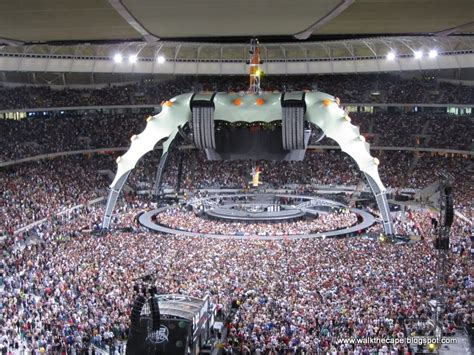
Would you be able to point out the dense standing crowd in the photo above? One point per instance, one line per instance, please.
(37, 190)
(189, 221)
(62, 293)
(64, 286)
(350, 88)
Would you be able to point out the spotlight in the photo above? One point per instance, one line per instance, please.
(161, 59)
(258, 72)
(118, 58)
(433, 53)
(418, 54)
(390, 56)
(132, 58)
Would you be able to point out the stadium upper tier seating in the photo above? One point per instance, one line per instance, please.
(65, 132)
(361, 88)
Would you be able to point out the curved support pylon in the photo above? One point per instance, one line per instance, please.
(336, 124)
(174, 115)
(321, 109)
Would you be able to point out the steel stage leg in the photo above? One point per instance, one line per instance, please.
(382, 203)
(112, 200)
(159, 174)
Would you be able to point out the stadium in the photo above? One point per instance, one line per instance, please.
(245, 177)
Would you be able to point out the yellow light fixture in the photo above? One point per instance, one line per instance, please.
(431, 347)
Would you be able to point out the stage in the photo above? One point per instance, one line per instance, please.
(215, 207)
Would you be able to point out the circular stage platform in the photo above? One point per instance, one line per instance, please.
(255, 213)
(260, 208)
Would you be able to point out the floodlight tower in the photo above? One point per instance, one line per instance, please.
(254, 71)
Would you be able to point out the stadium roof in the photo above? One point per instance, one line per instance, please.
(45, 21)
(212, 36)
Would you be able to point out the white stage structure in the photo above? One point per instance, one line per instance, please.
(292, 108)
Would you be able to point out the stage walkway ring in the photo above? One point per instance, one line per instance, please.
(145, 220)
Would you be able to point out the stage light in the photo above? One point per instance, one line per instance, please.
(118, 58)
(418, 54)
(433, 53)
(326, 102)
(169, 103)
(260, 101)
(258, 72)
(161, 59)
(237, 102)
(390, 56)
(132, 58)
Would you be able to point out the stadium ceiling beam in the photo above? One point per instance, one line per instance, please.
(133, 21)
(176, 52)
(198, 53)
(449, 31)
(350, 49)
(221, 57)
(283, 50)
(336, 11)
(11, 42)
(157, 52)
(305, 51)
(374, 52)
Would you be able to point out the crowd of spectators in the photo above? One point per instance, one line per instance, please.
(189, 221)
(37, 190)
(65, 132)
(63, 287)
(60, 293)
(358, 88)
